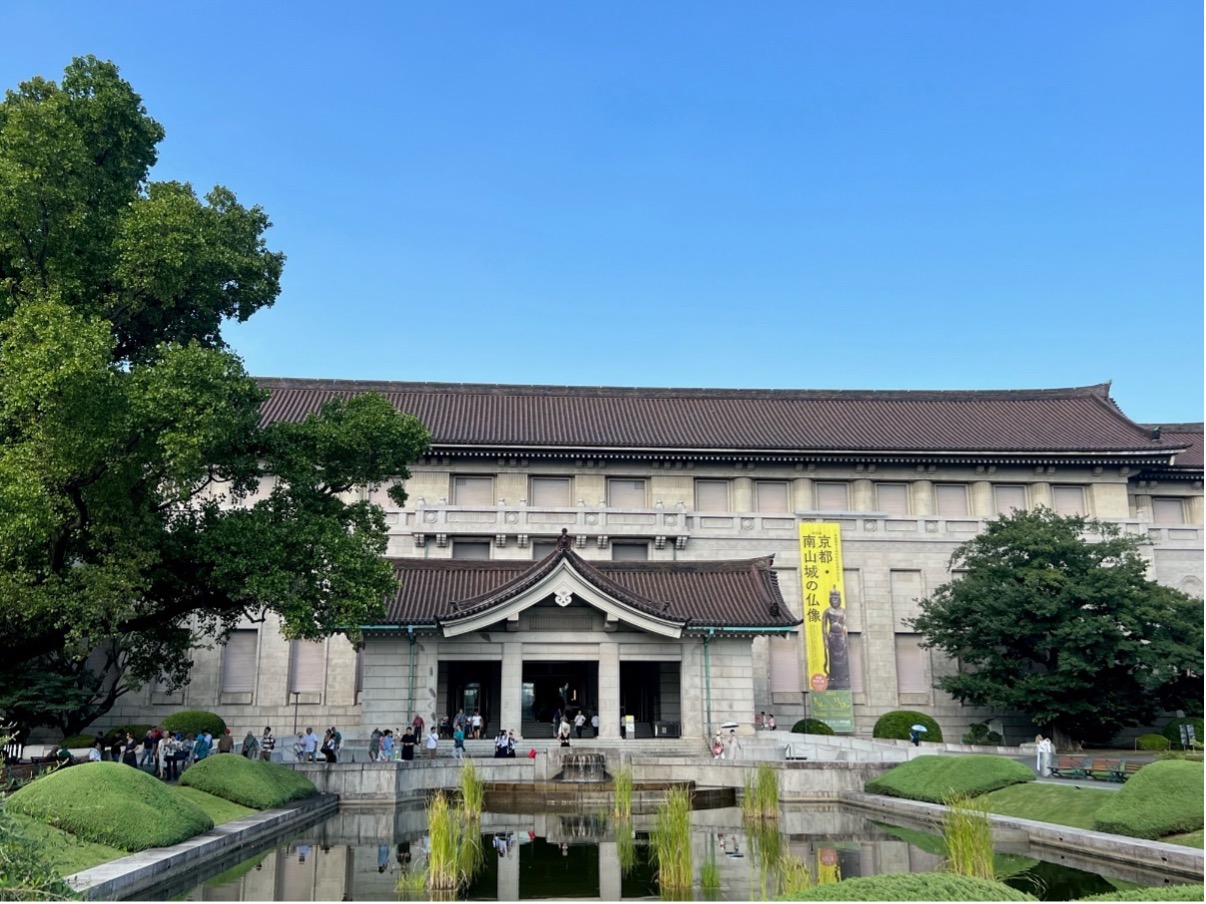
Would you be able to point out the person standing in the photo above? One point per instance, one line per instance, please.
(408, 744)
(267, 744)
(374, 745)
(594, 723)
(226, 742)
(579, 723)
(309, 745)
(477, 724)
(770, 722)
(387, 745)
(201, 747)
(251, 747)
(433, 741)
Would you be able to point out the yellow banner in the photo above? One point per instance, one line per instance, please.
(829, 866)
(824, 594)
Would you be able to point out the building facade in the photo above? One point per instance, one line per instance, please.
(634, 551)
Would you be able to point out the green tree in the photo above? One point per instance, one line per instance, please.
(1056, 618)
(143, 506)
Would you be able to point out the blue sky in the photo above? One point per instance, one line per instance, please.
(853, 195)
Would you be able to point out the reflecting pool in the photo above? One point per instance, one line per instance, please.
(362, 854)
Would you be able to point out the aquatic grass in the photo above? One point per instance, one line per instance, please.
(412, 882)
(794, 875)
(473, 791)
(761, 798)
(623, 789)
(625, 846)
(709, 878)
(968, 838)
(444, 857)
(670, 841)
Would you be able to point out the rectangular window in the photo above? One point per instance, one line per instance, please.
(1068, 500)
(473, 491)
(785, 665)
(1168, 510)
(629, 552)
(854, 644)
(772, 496)
(712, 496)
(550, 492)
(911, 665)
(543, 548)
(950, 500)
(1010, 497)
(892, 498)
(307, 666)
(239, 662)
(625, 493)
(833, 497)
(471, 549)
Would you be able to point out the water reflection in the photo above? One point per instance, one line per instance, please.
(360, 855)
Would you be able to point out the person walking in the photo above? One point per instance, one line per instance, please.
(477, 724)
(579, 723)
(309, 745)
(594, 723)
(226, 742)
(374, 745)
(387, 745)
(251, 747)
(458, 741)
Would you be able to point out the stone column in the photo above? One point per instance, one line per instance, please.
(508, 873)
(609, 871)
(511, 705)
(983, 503)
(743, 501)
(922, 492)
(609, 690)
(1040, 494)
(801, 495)
(862, 495)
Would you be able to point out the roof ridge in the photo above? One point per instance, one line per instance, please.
(1098, 390)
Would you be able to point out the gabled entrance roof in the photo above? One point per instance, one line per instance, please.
(668, 598)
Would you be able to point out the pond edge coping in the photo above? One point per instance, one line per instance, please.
(1180, 861)
(126, 877)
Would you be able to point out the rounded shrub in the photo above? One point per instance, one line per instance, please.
(1172, 730)
(979, 734)
(1151, 742)
(912, 887)
(195, 721)
(898, 724)
(1155, 893)
(138, 730)
(936, 778)
(1162, 798)
(811, 726)
(252, 783)
(112, 804)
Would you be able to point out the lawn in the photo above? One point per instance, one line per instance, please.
(69, 854)
(1064, 806)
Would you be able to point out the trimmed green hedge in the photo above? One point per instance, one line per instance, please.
(79, 740)
(139, 731)
(112, 804)
(1162, 798)
(898, 723)
(912, 887)
(935, 778)
(1155, 893)
(1172, 730)
(252, 783)
(811, 726)
(1151, 742)
(979, 734)
(195, 721)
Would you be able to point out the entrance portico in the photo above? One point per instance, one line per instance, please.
(664, 642)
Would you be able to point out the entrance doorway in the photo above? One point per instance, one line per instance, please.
(472, 686)
(650, 693)
(557, 687)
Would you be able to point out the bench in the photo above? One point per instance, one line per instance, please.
(1125, 770)
(1101, 769)
(1071, 767)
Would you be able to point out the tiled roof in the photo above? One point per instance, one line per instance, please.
(742, 593)
(1183, 435)
(1082, 419)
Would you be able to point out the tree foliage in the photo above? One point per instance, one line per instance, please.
(1056, 618)
(142, 502)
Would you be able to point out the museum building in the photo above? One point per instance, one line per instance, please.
(635, 553)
